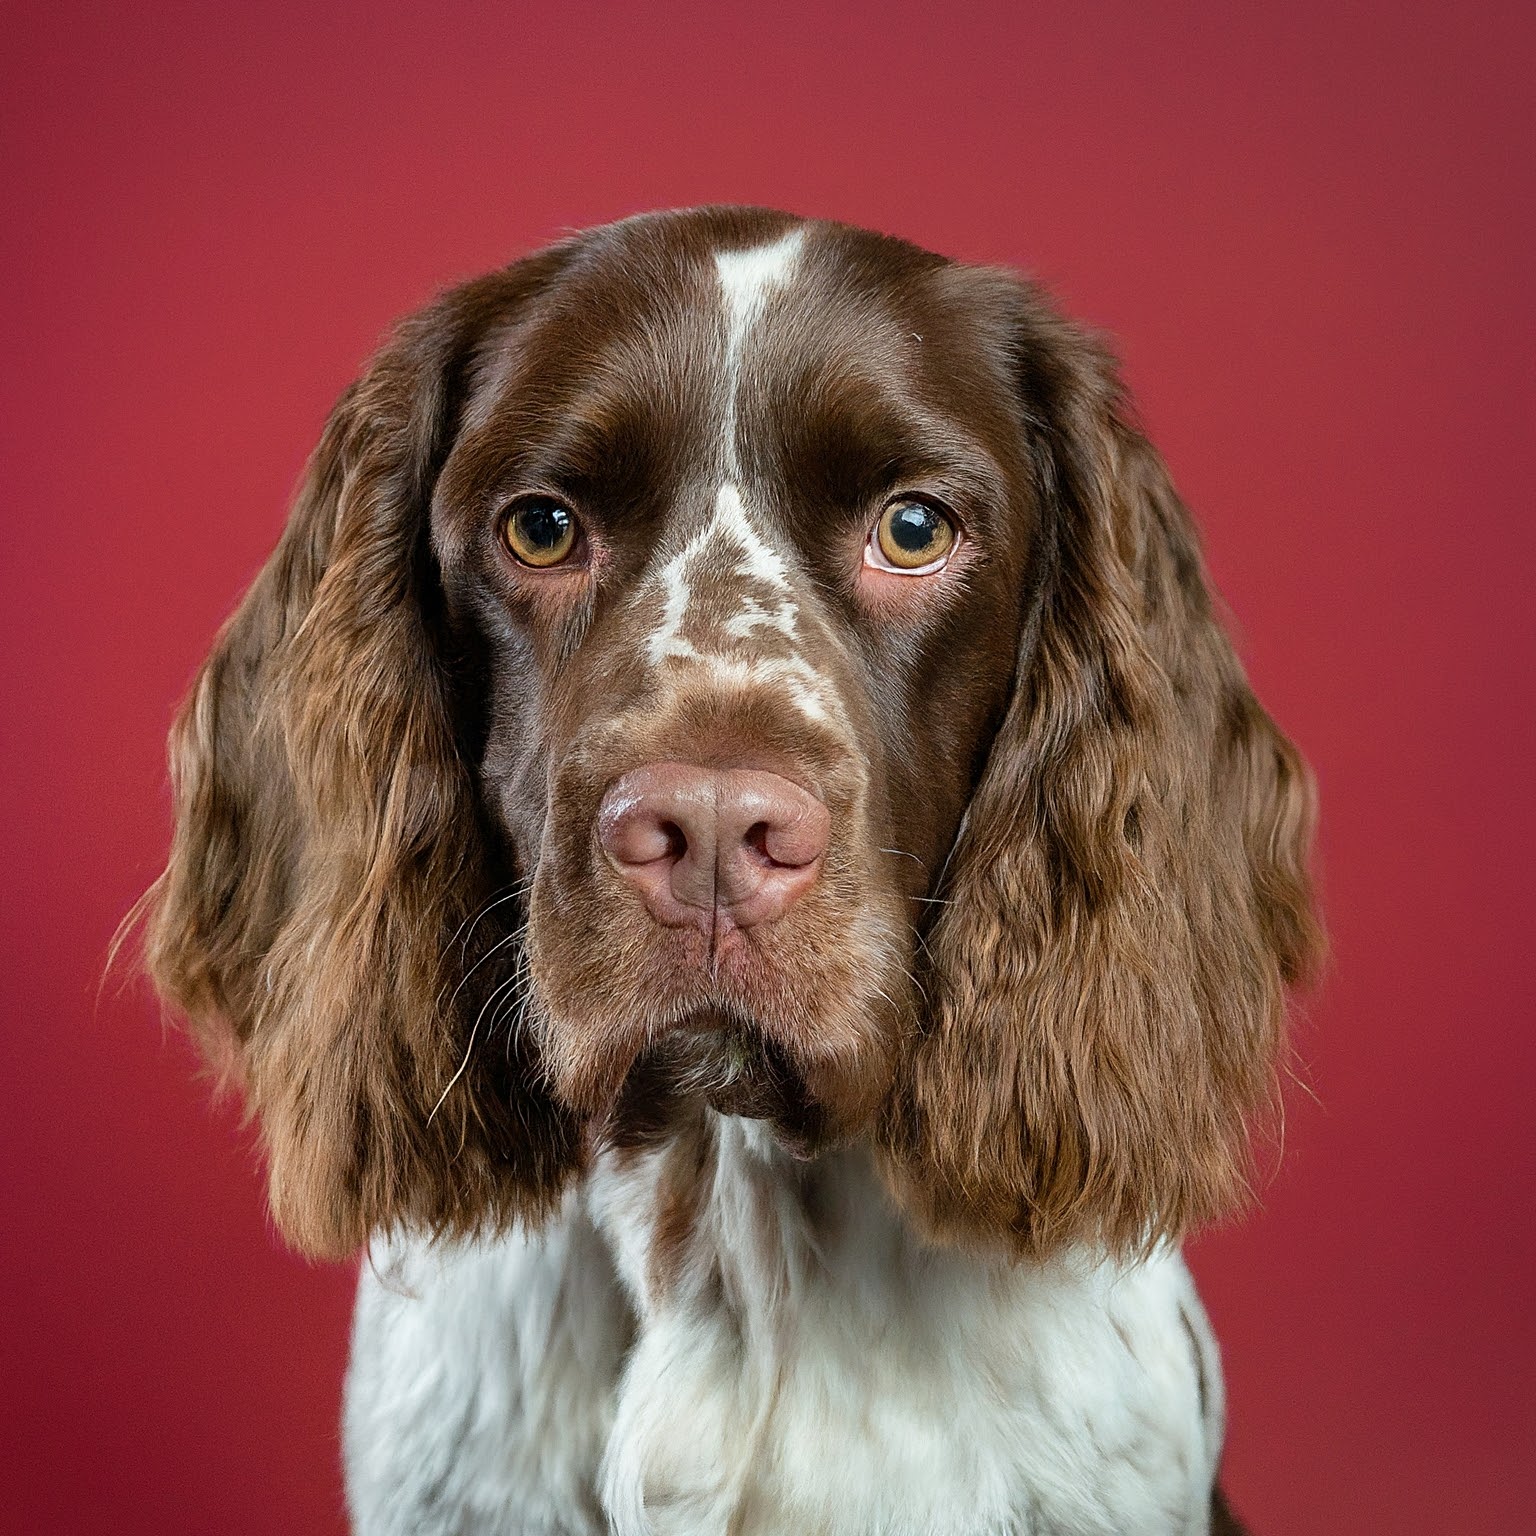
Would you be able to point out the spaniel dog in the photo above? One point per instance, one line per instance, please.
(729, 848)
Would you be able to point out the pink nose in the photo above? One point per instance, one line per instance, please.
(702, 843)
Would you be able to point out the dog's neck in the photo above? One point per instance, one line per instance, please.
(722, 1220)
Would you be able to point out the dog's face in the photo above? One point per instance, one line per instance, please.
(735, 659)
(736, 530)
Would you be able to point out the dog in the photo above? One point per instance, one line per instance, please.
(729, 849)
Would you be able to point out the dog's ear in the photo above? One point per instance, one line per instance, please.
(1128, 897)
(316, 922)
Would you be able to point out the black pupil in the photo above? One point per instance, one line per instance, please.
(543, 524)
(914, 527)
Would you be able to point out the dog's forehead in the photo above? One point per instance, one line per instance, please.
(719, 607)
(724, 265)
(671, 349)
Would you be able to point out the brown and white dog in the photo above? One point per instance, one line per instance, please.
(728, 843)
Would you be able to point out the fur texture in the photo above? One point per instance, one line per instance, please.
(864, 1218)
(815, 1368)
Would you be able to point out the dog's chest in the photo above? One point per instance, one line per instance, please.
(804, 1365)
(799, 1364)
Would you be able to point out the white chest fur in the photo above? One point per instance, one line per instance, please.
(804, 1367)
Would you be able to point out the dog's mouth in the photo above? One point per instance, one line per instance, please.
(799, 1029)
(724, 1061)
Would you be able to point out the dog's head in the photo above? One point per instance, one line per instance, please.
(728, 658)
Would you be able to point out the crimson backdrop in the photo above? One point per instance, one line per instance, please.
(1310, 229)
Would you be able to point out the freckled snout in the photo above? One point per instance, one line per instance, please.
(703, 844)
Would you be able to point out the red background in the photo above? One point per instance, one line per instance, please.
(1311, 228)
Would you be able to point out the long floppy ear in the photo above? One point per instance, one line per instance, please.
(317, 920)
(1128, 897)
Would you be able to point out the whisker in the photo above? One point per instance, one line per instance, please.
(960, 832)
(468, 1049)
(523, 998)
(500, 944)
(916, 982)
(474, 917)
(517, 889)
(519, 1000)
(497, 898)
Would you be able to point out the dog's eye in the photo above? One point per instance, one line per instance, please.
(912, 537)
(539, 531)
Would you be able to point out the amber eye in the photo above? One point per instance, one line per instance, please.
(539, 530)
(911, 536)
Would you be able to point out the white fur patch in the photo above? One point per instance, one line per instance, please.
(758, 560)
(729, 547)
(843, 1377)
(815, 1367)
(480, 1391)
(746, 280)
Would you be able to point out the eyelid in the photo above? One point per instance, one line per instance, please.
(875, 559)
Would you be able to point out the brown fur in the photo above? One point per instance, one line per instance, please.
(397, 736)
(328, 849)
(1129, 897)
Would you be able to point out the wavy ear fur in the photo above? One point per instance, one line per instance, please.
(316, 921)
(1129, 896)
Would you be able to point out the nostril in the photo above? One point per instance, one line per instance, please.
(796, 837)
(786, 845)
(633, 833)
(645, 840)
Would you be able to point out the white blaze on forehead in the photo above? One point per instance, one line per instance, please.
(729, 547)
(747, 274)
(747, 278)
(730, 524)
